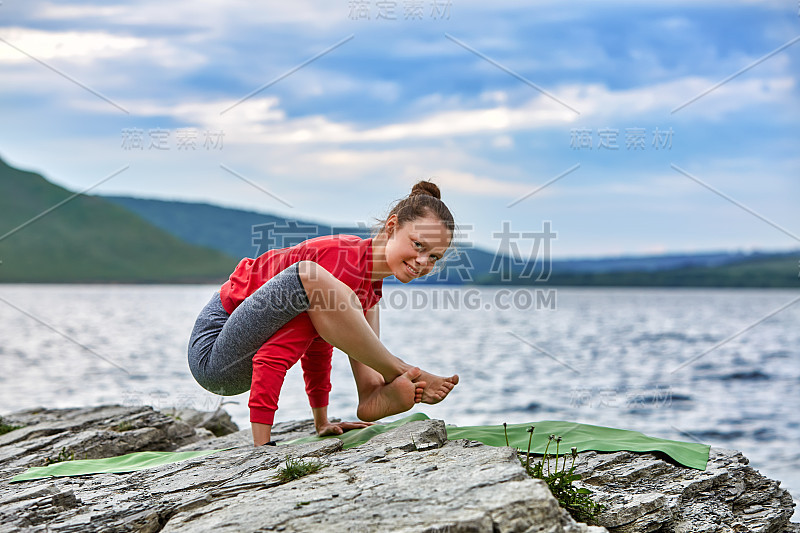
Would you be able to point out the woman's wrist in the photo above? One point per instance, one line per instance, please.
(320, 415)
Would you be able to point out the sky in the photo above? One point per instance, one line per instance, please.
(629, 127)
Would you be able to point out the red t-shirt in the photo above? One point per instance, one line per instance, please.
(349, 259)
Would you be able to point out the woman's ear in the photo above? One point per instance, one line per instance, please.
(391, 225)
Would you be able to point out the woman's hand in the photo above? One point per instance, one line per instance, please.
(325, 427)
(337, 428)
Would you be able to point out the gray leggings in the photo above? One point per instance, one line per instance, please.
(222, 346)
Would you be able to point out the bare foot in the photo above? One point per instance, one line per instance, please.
(396, 397)
(437, 387)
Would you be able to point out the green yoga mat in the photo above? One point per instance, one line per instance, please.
(583, 436)
(110, 465)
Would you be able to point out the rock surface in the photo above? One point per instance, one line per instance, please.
(645, 492)
(408, 479)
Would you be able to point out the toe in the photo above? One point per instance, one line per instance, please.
(413, 373)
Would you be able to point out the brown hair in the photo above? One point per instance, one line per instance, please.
(424, 199)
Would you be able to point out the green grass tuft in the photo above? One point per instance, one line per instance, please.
(297, 468)
(5, 428)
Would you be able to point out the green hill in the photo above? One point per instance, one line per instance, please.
(242, 233)
(763, 271)
(228, 230)
(89, 239)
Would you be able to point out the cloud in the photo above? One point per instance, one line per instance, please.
(596, 101)
(73, 45)
(469, 183)
(260, 120)
(208, 14)
(403, 166)
(503, 141)
(93, 50)
(252, 113)
(51, 11)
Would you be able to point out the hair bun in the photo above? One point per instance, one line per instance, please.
(426, 187)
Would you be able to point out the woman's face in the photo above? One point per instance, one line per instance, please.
(413, 249)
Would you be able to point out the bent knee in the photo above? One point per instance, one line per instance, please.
(314, 275)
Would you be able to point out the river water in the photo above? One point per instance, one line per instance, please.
(717, 366)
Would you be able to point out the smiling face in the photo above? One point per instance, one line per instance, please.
(413, 249)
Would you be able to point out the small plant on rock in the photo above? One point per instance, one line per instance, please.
(577, 501)
(63, 455)
(296, 468)
(125, 425)
(5, 428)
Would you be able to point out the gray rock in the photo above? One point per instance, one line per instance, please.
(89, 433)
(648, 492)
(408, 479)
(219, 422)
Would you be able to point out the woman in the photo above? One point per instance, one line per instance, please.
(297, 303)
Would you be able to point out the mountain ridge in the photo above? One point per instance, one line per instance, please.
(238, 232)
(50, 234)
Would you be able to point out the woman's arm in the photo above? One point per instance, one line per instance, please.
(374, 319)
